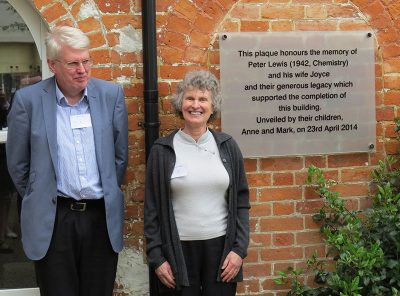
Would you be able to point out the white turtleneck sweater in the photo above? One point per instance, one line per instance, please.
(199, 183)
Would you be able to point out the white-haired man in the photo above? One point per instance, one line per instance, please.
(67, 154)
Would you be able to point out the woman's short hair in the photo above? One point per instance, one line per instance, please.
(64, 35)
(203, 80)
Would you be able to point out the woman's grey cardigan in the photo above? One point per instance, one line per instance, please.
(162, 239)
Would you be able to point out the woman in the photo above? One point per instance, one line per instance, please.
(197, 200)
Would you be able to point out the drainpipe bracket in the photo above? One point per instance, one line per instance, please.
(143, 124)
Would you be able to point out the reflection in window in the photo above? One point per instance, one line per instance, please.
(19, 58)
(10, 82)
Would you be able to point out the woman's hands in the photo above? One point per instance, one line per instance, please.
(164, 273)
(231, 266)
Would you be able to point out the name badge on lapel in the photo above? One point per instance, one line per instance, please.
(80, 121)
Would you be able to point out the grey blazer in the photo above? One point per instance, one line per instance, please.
(32, 158)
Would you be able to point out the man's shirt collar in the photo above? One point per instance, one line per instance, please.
(62, 100)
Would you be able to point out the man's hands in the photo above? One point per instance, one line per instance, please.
(231, 266)
(165, 275)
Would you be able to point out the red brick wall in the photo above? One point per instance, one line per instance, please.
(282, 231)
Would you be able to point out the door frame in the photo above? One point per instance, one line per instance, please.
(38, 29)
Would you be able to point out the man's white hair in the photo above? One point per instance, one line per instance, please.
(65, 36)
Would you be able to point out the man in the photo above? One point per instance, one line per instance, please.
(67, 153)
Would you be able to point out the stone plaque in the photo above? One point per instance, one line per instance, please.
(299, 93)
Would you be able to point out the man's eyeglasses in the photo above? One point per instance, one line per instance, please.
(73, 65)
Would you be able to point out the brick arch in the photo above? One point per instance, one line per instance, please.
(64, 12)
(186, 29)
(185, 34)
(101, 21)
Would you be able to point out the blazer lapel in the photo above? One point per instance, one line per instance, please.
(97, 120)
(49, 103)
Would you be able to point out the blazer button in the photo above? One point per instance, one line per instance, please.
(223, 159)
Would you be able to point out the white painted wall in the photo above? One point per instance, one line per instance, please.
(132, 272)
